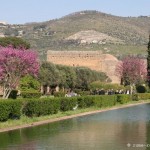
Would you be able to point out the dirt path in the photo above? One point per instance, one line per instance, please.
(69, 117)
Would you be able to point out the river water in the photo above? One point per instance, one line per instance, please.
(121, 129)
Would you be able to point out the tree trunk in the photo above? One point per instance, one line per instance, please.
(6, 93)
(131, 88)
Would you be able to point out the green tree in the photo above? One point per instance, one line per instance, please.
(15, 42)
(85, 76)
(69, 75)
(49, 74)
(148, 62)
(29, 83)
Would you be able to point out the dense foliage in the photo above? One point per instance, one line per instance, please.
(12, 109)
(131, 70)
(85, 101)
(67, 103)
(105, 86)
(15, 63)
(123, 98)
(30, 94)
(41, 107)
(15, 42)
(29, 82)
(68, 77)
(141, 89)
(105, 100)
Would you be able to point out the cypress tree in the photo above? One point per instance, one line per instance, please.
(148, 62)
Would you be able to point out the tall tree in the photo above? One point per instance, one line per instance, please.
(148, 62)
(132, 70)
(49, 74)
(14, 64)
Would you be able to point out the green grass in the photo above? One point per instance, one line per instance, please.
(24, 120)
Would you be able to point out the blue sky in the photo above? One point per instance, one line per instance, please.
(23, 11)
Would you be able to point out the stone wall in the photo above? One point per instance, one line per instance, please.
(94, 60)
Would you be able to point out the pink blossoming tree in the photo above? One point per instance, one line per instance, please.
(132, 71)
(14, 64)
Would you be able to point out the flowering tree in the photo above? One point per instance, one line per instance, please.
(131, 70)
(14, 64)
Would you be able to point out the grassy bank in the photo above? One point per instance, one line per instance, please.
(25, 121)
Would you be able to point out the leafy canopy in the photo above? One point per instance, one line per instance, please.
(132, 70)
(14, 42)
(14, 64)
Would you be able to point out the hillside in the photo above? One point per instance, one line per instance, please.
(110, 34)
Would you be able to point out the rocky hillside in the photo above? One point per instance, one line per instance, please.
(94, 37)
(85, 30)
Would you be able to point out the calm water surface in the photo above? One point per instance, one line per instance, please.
(111, 130)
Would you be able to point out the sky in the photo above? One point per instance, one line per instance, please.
(25, 11)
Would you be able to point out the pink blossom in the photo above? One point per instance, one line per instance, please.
(16, 63)
(132, 69)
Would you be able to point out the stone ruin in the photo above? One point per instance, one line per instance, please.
(94, 60)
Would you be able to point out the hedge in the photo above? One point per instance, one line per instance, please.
(59, 94)
(85, 101)
(41, 107)
(105, 100)
(30, 94)
(68, 103)
(10, 109)
(143, 96)
(105, 86)
(122, 98)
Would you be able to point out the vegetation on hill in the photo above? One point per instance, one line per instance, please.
(133, 31)
(15, 42)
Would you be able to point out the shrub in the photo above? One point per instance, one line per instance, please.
(59, 94)
(86, 101)
(13, 94)
(30, 94)
(84, 93)
(105, 86)
(41, 107)
(122, 99)
(10, 109)
(16, 109)
(144, 96)
(141, 89)
(4, 110)
(105, 100)
(135, 97)
(68, 103)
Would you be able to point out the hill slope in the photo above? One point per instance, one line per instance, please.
(131, 32)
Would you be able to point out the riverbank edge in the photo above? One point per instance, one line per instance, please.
(72, 116)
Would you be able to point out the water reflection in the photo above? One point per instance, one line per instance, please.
(111, 130)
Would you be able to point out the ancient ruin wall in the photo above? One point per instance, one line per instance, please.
(94, 60)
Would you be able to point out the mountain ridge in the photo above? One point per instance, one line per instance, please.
(51, 34)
